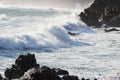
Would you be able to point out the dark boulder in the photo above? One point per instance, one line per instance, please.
(101, 11)
(43, 73)
(70, 77)
(60, 71)
(22, 64)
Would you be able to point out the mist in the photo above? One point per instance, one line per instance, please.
(73, 4)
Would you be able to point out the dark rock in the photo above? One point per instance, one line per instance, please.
(22, 64)
(1, 78)
(102, 11)
(110, 14)
(43, 73)
(60, 71)
(116, 21)
(70, 77)
(112, 29)
(72, 33)
(83, 79)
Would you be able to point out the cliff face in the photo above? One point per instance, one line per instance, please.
(102, 11)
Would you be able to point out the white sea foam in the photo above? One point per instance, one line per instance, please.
(38, 32)
(101, 60)
(51, 38)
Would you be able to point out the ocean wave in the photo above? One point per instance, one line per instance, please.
(31, 32)
(78, 27)
(3, 17)
(50, 37)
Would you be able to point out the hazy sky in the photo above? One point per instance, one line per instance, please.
(48, 3)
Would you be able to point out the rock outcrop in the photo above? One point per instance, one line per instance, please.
(22, 64)
(42, 73)
(26, 68)
(102, 11)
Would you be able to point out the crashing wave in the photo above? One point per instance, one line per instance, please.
(31, 32)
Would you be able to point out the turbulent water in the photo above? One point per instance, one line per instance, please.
(44, 32)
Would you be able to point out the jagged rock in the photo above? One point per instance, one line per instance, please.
(43, 73)
(26, 68)
(61, 72)
(102, 11)
(70, 77)
(22, 64)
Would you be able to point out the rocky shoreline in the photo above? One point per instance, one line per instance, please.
(26, 68)
(102, 12)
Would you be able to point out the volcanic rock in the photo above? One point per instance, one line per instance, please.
(70, 77)
(22, 64)
(61, 72)
(43, 73)
(102, 11)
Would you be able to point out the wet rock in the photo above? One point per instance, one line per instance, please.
(73, 33)
(70, 77)
(112, 29)
(101, 11)
(60, 71)
(22, 64)
(43, 73)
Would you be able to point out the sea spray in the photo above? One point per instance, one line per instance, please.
(38, 29)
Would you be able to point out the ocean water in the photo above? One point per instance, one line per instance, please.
(91, 53)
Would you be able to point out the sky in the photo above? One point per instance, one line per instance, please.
(48, 3)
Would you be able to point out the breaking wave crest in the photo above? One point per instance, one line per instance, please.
(31, 32)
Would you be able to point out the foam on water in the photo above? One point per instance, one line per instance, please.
(37, 29)
(101, 60)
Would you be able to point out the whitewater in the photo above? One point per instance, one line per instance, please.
(90, 53)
